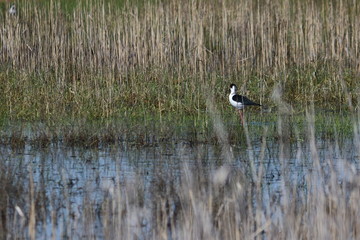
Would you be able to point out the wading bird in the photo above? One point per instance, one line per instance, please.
(12, 10)
(239, 102)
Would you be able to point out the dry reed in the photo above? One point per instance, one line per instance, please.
(98, 60)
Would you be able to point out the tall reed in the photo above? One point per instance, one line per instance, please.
(97, 59)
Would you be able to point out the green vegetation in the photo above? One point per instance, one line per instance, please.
(151, 130)
(95, 74)
(96, 60)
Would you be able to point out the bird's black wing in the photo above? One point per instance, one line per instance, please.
(244, 100)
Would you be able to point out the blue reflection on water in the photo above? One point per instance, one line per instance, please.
(71, 177)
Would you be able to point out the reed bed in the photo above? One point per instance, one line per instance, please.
(99, 60)
(160, 63)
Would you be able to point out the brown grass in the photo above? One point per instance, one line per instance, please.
(99, 60)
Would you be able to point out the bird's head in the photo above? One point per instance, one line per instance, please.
(12, 10)
(233, 88)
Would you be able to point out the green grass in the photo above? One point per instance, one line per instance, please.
(151, 130)
(97, 60)
(98, 74)
(38, 97)
(158, 63)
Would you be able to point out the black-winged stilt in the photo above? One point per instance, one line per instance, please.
(239, 102)
(12, 10)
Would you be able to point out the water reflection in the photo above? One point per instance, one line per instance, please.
(67, 179)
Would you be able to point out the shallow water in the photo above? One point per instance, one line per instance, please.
(68, 179)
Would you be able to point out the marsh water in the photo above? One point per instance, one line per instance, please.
(65, 181)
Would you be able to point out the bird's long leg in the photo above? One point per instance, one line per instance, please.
(241, 116)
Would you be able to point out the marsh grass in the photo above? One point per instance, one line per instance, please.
(98, 60)
(149, 130)
(93, 75)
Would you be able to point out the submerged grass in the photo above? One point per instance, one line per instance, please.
(95, 74)
(151, 130)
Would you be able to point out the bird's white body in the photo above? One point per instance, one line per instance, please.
(239, 102)
(235, 104)
(12, 10)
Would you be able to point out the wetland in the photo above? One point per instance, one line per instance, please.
(115, 121)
